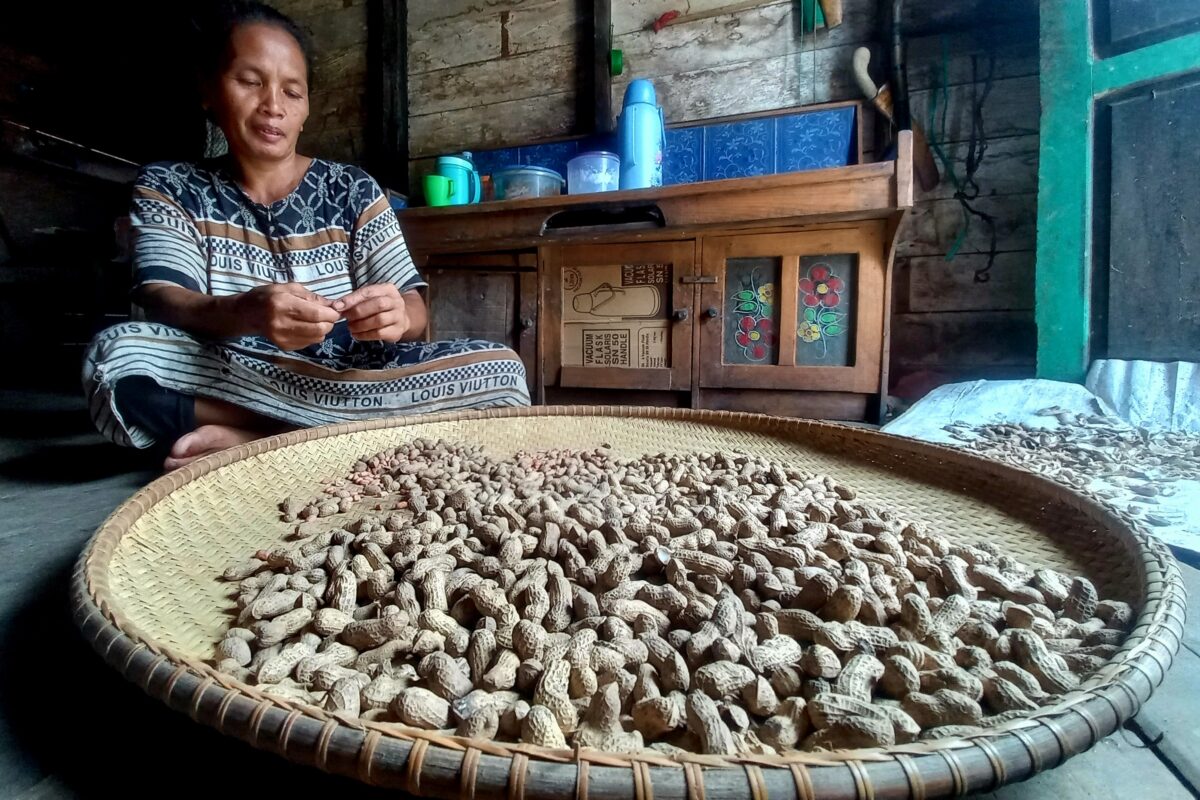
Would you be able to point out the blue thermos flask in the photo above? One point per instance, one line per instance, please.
(641, 137)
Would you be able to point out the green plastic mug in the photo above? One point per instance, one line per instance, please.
(438, 190)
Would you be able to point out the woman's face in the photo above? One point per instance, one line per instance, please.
(260, 99)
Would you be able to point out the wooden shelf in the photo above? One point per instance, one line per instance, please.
(863, 191)
(511, 271)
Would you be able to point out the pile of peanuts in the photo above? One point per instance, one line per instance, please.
(708, 602)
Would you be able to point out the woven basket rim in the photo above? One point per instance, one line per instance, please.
(1117, 690)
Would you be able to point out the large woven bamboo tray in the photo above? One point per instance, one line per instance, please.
(146, 594)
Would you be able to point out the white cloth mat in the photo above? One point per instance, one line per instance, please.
(985, 402)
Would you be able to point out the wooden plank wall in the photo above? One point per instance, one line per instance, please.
(489, 73)
(945, 322)
(486, 73)
(752, 61)
(337, 121)
(471, 84)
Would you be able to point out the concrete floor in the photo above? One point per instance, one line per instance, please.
(71, 727)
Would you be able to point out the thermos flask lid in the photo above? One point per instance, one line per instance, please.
(639, 90)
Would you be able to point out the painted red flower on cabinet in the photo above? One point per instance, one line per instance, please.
(754, 333)
(820, 294)
(821, 287)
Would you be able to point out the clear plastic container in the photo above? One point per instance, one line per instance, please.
(595, 171)
(516, 182)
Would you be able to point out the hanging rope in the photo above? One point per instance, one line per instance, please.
(966, 189)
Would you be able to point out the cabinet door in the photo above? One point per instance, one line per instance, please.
(618, 316)
(794, 310)
(486, 296)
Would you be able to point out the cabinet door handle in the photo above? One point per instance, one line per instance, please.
(526, 323)
(712, 313)
(681, 314)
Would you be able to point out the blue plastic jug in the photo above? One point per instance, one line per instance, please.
(461, 172)
(641, 137)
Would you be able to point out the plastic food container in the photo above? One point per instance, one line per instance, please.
(595, 171)
(515, 182)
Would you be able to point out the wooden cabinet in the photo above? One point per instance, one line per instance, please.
(489, 296)
(618, 316)
(794, 311)
(790, 323)
(759, 294)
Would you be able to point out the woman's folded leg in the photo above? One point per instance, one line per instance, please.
(147, 387)
(153, 386)
(186, 427)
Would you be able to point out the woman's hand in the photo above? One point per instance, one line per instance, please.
(376, 312)
(288, 314)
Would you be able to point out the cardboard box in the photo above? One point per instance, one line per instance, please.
(617, 315)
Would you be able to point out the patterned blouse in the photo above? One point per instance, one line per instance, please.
(194, 226)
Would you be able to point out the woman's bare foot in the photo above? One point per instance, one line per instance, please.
(207, 439)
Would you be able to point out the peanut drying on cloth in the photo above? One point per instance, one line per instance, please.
(1126, 467)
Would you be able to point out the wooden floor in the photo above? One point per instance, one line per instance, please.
(70, 727)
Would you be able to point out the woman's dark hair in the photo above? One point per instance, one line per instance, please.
(216, 26)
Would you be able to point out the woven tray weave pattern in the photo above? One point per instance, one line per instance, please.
(148, 597)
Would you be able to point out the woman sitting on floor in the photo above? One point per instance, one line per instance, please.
(278, 288)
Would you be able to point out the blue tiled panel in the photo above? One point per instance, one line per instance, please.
(601, 141)
(683, 159)
(786, 143)
(552, 156)
(815, 140)
(488, 161)
(739, 149)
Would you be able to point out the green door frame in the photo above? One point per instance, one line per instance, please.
(1073, 78)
